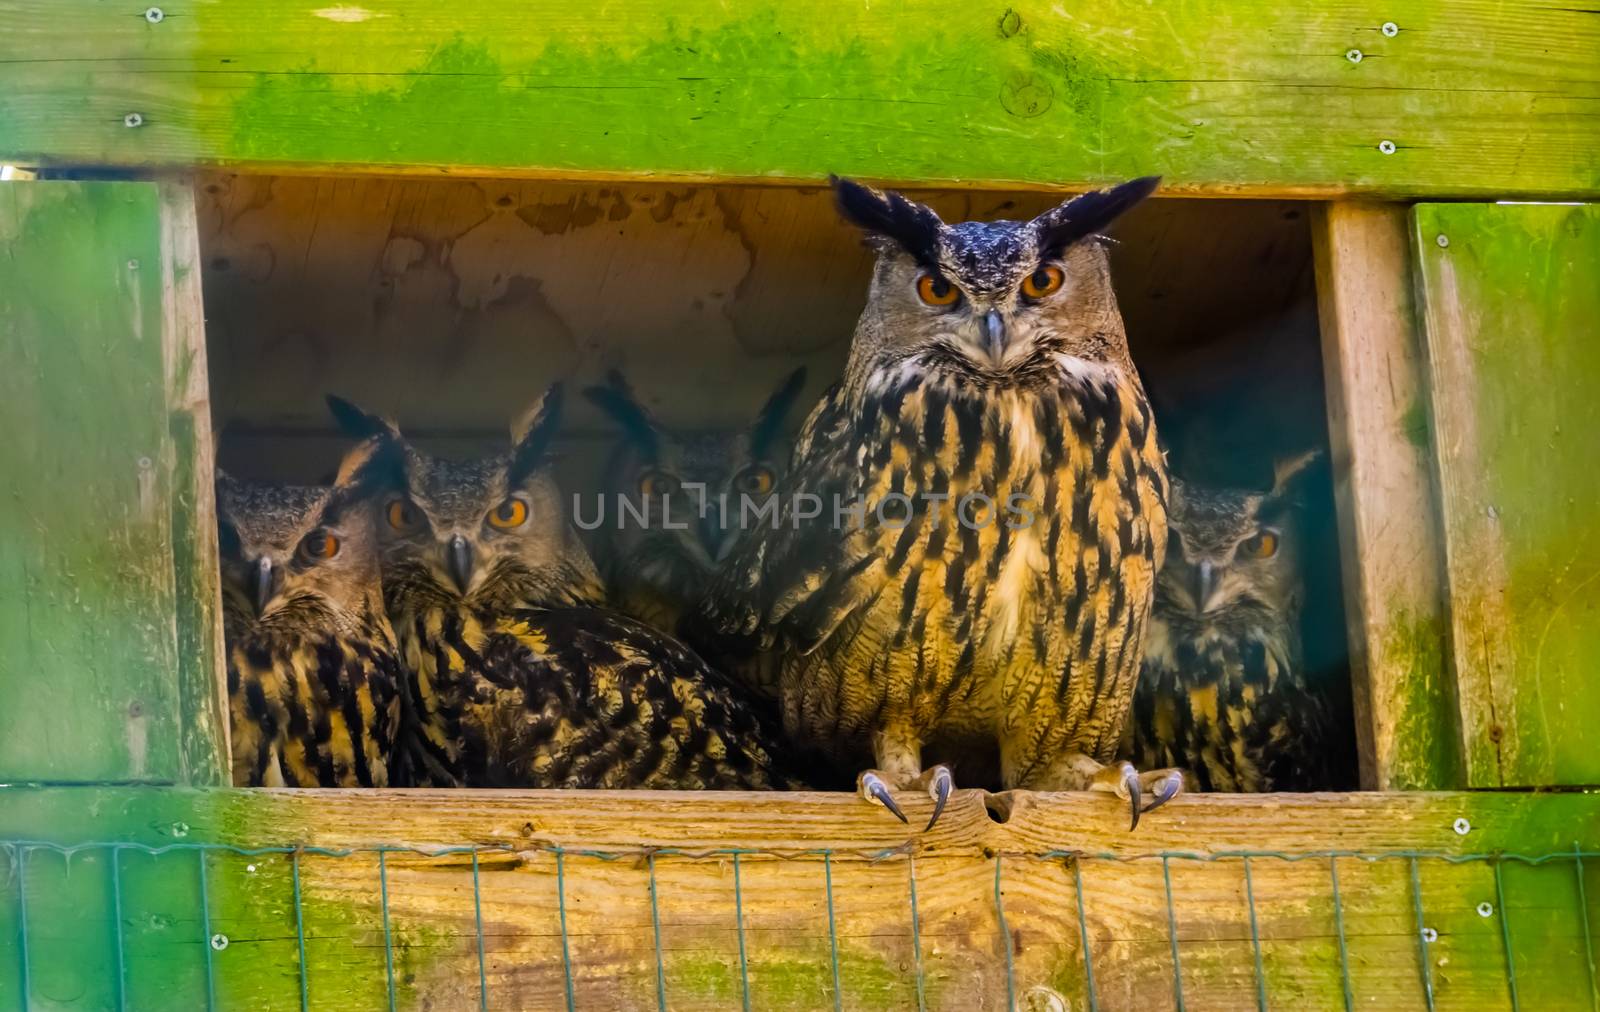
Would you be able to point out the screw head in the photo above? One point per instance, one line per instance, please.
(133, 265)
(1443, 240)
(1390, 29)
(180, 829)
(1485, 909)
(1387, 147)
(1429, 935)
(1462, 827)
(219, 941)
(250, 868)
(1353, 55)
(154, 15)
(133, 119)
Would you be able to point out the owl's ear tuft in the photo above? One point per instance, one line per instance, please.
(359, 423)
(1286, 469)
(616, 398)
(1088, 213)
(533, 432)
(769, 420)
(912, 226)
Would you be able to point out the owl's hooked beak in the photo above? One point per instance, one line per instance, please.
(994, 333)
(1205, 585)
(265, 585)
(458, 555)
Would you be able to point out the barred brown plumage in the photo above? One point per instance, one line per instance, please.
(991, 360)
(313, 679)
(516, 675)
(1224, 691)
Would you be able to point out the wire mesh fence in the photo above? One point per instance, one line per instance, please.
(194, 923)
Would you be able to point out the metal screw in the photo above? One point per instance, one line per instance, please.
(250, 868)
(154, 15)
(219, 941)
(180, 829)
(1462, 827)
(1353, 55)
(1390, 29)
(133, 265)
(1442, 239)
(133, 119)
(1387, 147)
(144, 463)
(1429, 935)
(1485, 909)
(1492, 513)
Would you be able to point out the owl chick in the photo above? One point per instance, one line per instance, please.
(992, 513)
(657, 568)
(1223, 692)
(517, 678)
(313, 675)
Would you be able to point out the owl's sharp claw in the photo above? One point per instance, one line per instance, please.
(1170, 787)
(1130, 780)
(939, 788)
(874, 789)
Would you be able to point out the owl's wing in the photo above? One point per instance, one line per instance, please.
(795, 578)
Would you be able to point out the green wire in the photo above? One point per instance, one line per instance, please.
(1083, 933)
(916, 934)
(1338, 923)
(477, 913)
(655, 922)
(116, 926)
(1255, 937)
(388, 936)
(1422, 939)
(300, 931)
(1005, 938)
(20, 857)
(833, 930)
(1505, 937)
(1172, 934)
(205, 935)
(738, 920)
(1583, 911)
(561, 907)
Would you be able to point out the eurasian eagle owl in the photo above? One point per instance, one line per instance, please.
(994, 585)
(657, 569)
(1224, 692)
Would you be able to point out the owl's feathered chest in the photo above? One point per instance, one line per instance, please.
(312, 707)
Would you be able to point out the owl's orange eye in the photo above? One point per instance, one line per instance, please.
(936, 291)
(319, 546)
(755, 480)
(1263, 546)
(509, 514)
(654, 483)
(1042, 282)
(402, 516)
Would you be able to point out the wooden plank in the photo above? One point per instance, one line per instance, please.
(1510, 310)
(1458, 97)
(584, 879)
(89, 684)
(1407, 717)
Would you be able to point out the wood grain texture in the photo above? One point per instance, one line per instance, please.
(1390, 538)
(91, 300)
(1510, 310)
(1476, 97)
(592, 907)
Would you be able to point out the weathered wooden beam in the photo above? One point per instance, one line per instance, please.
(612, 899)
(108, 661)
(1441, 97)
(1511, 314)
(1407, 719)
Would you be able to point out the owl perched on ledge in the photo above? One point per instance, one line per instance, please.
(655, 571)
(990, 362)
(1224, 692)
(313, 678)
(516, 676)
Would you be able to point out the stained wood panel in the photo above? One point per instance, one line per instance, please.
(1057, 903)
(1436, 97)
(1510, 309)
(99, 352)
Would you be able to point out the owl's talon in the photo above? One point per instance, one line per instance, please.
(1135, 789)
(1171, 785)
(874, 789)
(940, 784)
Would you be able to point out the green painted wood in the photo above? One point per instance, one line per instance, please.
(1511, 312)
(89, 602)
(1475, 96)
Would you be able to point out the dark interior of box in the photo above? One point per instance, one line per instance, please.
(450, 304)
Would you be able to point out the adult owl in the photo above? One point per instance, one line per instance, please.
(993, 587)
(516, 675)
(313, 677)
(688, 485)
(1224, 692)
